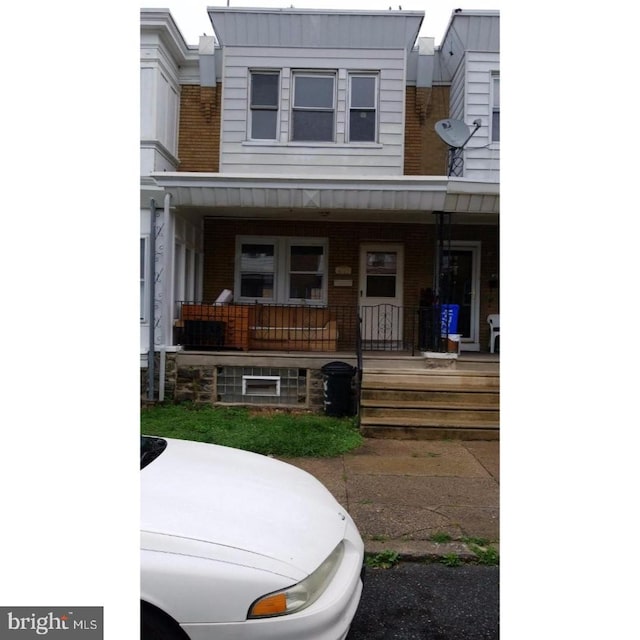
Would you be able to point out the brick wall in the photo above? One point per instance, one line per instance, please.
(419, 242)
(424, 151)
(199, 128)
(344, 250)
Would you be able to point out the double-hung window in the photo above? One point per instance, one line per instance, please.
(495, 108)
(265, 88)
(282, 269)
(313, 109)
(306, 271)
(362, 108)
(257, 270)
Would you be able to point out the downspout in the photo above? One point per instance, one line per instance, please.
(167, 310)
(152, 297)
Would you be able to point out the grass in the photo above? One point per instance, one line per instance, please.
(383, 560)
(488, 556)
(451, 560)
(440, 537)
(274, 432)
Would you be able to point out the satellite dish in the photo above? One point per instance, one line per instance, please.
(455, 132)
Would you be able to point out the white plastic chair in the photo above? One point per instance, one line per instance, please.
(494, 330)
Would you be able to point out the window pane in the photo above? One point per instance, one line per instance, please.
(313, 125)
(495, 122)
(381, 262)
(263, 124)
(256, 285)
(305, 286)
(306, 258)
(257, 257)
(362, 126)
(363, 92)
(495, 127)
(264, 90)
(381, 286)
(313, 91)
(142, 257)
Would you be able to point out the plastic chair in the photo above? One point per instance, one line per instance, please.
(494, 330)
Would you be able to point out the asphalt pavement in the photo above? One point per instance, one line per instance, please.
(404, 493)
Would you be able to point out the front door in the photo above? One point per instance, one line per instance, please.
(381, 284)
(462, 263)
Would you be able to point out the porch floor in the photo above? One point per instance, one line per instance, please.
(467, 360)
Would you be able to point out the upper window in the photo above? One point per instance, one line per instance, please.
(362, 108)
(313, 107)
(264, 105)
(495, 108)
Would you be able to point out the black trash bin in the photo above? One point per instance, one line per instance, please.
(339, 396)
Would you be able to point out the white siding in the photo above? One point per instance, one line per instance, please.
(456, 99)
(159, 108)
(385, 157)
(470, 99)
(482, 157)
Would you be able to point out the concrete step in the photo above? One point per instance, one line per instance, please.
(423, 403)
(432, 417)
(426, 380)
(427, 433)
(429, 399)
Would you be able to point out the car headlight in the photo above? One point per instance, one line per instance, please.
(301, 595)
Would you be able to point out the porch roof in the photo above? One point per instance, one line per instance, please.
(402, 198)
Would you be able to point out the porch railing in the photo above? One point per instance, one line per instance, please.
(277, 327)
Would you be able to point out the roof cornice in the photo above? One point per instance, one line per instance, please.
(161, 22)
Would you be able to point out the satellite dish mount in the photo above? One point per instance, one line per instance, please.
(456, 134)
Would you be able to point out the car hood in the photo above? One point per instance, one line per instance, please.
(196, 495)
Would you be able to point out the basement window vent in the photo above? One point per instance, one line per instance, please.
(261, 385)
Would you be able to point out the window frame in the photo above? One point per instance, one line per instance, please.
(375, 108)
(259, 108)
(144, 275)
(238, 272)
(306, 242)
(282, 269)
(495, 109)
(315, 73)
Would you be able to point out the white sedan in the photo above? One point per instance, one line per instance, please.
(236, 545)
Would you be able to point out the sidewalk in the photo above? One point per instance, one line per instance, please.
(401, 492)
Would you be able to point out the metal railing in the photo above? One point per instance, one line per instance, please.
(278, 327)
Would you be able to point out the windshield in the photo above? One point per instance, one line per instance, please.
(150, 449)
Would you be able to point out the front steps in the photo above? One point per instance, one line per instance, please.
(430, 404)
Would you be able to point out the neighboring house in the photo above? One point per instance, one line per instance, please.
(296, 200)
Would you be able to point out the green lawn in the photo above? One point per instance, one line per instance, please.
(275, 432)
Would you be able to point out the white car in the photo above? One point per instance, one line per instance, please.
(239, 545)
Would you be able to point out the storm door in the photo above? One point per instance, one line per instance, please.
(460, 285)
(381, 297)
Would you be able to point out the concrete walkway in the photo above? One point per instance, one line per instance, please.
(402, 492)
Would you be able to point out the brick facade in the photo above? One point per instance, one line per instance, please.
(424, 152)
(419, 242)
(199, 132)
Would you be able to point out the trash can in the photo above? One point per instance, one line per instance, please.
(339, 396)
(449, 318)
